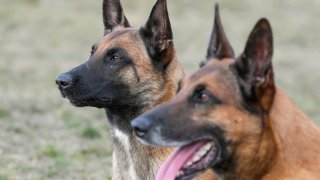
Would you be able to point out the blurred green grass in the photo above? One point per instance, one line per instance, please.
(43, 137)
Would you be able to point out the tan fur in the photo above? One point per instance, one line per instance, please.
(140, 160)
(285, 146)
(131, 159)
(288, 147)
(259, 133)
(297, 139)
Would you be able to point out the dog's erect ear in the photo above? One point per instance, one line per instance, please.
(219, 46)
(157, 34)
(113, 16)
(254, 66)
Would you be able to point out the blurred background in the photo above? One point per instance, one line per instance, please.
(43, 137)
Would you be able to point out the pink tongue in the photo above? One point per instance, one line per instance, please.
(177, 159)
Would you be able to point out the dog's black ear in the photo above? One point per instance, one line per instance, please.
(157, 34)
(254, 66)
(219, 46)
(113, 16)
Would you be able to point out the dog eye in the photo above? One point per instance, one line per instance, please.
(203, 97)
(115, 58)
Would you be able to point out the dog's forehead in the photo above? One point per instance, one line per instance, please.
(122, 37)
(119, 33)
(128, 39)
(212, 67)
(218, 78)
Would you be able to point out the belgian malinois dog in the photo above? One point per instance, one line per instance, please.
(230, 117)
(129, 72)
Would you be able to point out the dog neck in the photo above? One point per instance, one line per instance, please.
(133, 160)
(130, 157)
(297, 139)
(289, 146)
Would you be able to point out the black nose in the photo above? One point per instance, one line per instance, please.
(141, 126)
(64, 80)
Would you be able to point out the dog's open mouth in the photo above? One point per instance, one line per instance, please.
(188, 161)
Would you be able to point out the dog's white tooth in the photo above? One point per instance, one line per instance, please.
(190, 163)
(203, 152)
(200, 153)
(180, 173)
(197, 158)
(208, 146)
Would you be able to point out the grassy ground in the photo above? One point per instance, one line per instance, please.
(43, 137)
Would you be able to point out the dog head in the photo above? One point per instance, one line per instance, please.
(218, 115)
(127, 66)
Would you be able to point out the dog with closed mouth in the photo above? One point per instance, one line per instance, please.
(230, 117)
(129, 72)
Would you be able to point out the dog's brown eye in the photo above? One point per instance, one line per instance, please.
(201, 96)
(204, 97)
(115, 58)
